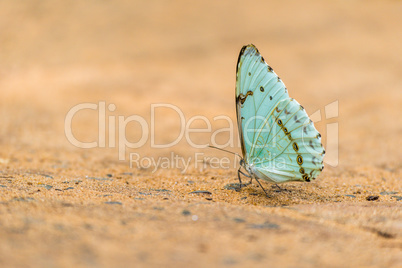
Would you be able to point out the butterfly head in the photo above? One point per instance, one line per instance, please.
(242, 163)
(246, 166)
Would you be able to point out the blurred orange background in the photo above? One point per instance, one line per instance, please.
(58, 54)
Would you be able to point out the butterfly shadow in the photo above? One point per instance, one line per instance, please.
(291, 194)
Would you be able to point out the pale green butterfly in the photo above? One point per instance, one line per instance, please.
(278, 140)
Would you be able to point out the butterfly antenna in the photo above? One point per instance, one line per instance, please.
(225, 151)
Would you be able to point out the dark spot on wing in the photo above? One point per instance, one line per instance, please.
(299, 159)
(270, 97)
(311, 144)
(270, 69)
(242, 98)
(295, 146)
(312, 160)
(261, 88)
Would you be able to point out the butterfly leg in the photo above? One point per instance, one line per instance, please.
(248, 176)
(238, 175)
(281, 189)
(278, 187)
(262, 188)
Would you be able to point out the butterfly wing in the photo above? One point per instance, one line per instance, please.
(258, 89)
(277, 137)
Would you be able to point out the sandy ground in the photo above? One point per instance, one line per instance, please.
(64, 206)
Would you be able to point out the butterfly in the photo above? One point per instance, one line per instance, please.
(279, 142)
